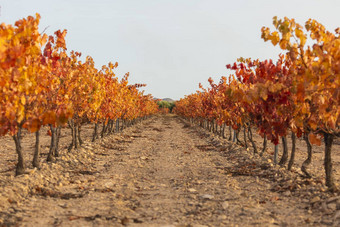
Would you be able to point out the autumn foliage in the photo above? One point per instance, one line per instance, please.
(299, 93)
(42, 84)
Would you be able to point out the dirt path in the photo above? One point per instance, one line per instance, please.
(164, 173)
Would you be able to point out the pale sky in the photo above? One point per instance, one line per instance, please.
(171, 45)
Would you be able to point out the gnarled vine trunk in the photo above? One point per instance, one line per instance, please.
(223, 131)
(284, 157)
(117, 125)
(237, 133)
(103, 130)
(276, 151)
(230, 134)
(245, 136)
(51, 152)
(292, 155)
(36, 162)
(20, 168)
(328, 161)
(308, 161)
(79, 135)
(250, 137)
(74, 130)
(95, 132)
(264, 145)
(58, 134)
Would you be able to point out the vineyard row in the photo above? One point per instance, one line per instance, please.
(42, 85)
(299, 94)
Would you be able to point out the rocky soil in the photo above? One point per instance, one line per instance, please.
(164, 172)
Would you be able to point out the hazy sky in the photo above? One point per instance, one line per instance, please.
(171, 45)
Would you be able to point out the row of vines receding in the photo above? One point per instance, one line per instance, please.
(41, 84)
(297, 95)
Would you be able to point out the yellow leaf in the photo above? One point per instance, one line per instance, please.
(283, 44)
(275, 22)
(23, 100)
(301, 36)
(298, 32)
(20, 113)
(303, 40)
(275, 38)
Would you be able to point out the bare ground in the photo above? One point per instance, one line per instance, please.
(163, 172)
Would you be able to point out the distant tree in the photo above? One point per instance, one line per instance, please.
(166, 104)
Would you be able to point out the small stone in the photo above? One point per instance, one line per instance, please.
(324, 207)
(207, 196)
(192, 196)
(315, 199)
(63, 205)
(108, 184)
(32, 171)
(287, 193)
(183, 210)
(257, 179)
(244, 194)
(225, 205)
(337, 215)
(125, 221)
(332, 199)
(332, 206)
(222, 217)
(192, 190)
(338, 205)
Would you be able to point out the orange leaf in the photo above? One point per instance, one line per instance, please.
(313, 124)
(49, 118)
(313, 139)
(35, 125)
(62, 119)
(300, 94)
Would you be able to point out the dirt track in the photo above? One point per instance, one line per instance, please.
(163, 172)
